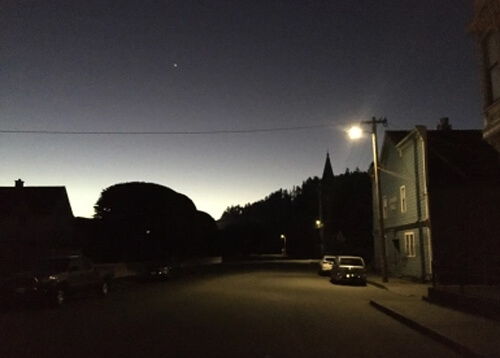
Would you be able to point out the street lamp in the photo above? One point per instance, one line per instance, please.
(318, 224)
(283, 250)
(354, 133)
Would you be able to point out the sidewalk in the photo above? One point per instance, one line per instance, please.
(467, 334)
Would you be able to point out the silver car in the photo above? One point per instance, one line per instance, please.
(325, 264)
(349, 269)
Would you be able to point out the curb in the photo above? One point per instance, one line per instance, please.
(457, 347)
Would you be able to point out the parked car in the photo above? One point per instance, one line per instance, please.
(325, 264)
(349, 269)
(53, 279)
(162, 269)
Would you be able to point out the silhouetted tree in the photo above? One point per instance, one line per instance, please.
(143, 221)
(94, 243)
(352, 211)
(304, 237)
(206, 241)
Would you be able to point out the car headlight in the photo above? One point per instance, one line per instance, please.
(48, 279)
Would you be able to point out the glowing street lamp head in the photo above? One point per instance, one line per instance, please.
(355, 132)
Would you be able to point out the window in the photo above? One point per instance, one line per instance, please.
(402, 197)
(384, 206)
(410, 244)
(492, 64)
(393, 203)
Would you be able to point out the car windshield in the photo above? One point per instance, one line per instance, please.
(52, 265)
(351, 261)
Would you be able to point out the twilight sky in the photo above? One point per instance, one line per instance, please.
(224, 101)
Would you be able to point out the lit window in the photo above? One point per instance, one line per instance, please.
(402, 196)
(492, 63)
(410, 244)
(384, 206)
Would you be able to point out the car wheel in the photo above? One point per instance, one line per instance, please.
(59, 297)
(104, 289)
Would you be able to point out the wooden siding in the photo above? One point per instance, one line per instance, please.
(402, 164)
(463, 176)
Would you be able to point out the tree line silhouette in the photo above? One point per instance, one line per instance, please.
(257, 228)
(140, 221)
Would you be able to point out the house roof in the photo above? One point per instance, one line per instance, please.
(461, 156)
(396, 136)
(38, 200)
(454, 157)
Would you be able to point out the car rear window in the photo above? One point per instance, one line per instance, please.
(53, 265)
(351, 261)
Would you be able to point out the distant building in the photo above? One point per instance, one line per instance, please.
(440, 198)
(486, 27)
(325, 224)
(34, 218)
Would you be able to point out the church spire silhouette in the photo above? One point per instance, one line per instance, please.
(327, 171)
(327, 188)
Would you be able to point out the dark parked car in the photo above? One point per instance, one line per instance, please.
(162, 270)
(349, 269)
(53, 279)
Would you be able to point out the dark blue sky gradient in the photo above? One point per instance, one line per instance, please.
(213, 65)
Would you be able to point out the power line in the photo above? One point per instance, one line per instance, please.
(208, 132)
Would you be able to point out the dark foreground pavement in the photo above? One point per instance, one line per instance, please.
(468, 334)
(278, 309)
(254, 311)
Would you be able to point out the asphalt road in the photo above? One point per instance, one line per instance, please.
(236, 312)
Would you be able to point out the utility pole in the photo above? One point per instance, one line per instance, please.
(374, 122)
